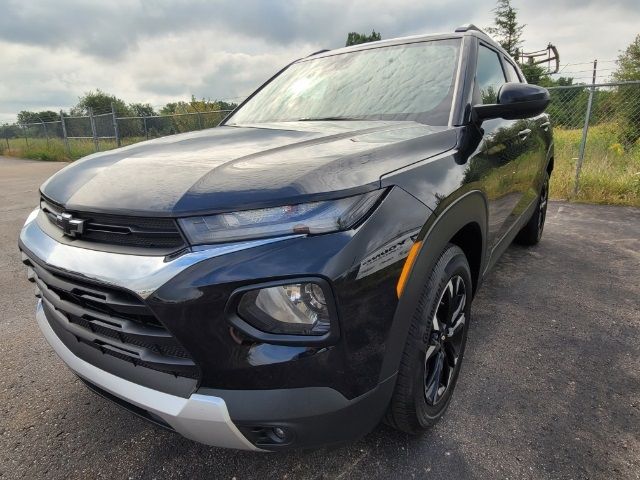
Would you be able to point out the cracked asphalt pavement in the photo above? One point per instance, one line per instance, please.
(550, 387)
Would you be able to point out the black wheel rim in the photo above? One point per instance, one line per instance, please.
(542, 207)
(444, 343)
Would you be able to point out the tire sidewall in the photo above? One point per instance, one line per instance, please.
(545, 188)
(457, 265)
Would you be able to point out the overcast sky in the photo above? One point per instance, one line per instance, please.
(158, 51)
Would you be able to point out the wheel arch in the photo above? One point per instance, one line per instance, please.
(462, 221)
(469, 239)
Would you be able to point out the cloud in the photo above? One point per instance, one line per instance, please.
(159, 50)
(111, 29)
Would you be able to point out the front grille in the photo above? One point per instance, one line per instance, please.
(121, 230)
(113, 321)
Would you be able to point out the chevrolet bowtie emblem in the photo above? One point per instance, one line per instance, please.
(71, 227)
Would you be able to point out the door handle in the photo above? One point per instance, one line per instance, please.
(523, 134)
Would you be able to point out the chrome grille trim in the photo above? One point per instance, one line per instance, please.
(140, 274)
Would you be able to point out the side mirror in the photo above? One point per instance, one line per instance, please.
(515, 101)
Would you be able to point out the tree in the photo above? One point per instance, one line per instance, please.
(629, 63)
(9, 131)
(26, 116)
(204, 113)
(628, 103)
(141, 109)
(100, 102)
(535, 74)
(507, 30)
(355, 38)
(508, 33)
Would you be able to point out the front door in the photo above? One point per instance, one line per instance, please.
(502, 150)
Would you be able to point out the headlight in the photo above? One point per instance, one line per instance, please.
(305, 218)
(295, 309)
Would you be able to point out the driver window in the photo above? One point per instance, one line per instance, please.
(511, 72)
(489, 75)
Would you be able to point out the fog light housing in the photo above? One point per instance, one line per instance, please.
(290, 309)
(295, 312)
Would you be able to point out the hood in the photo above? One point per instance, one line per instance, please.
(242, 167)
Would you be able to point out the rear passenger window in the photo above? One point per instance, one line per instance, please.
(489, 75)
(512, 74)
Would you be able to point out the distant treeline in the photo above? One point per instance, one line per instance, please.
(100, 104)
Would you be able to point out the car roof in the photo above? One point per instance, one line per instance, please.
(464, 31)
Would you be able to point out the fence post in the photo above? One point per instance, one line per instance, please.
(24, 131)
(583, 142)
(146, 131)
(6, 137)
(93, 129)
(199, 121)
(116, 132)
(585, 131)
(46, 134)
(64, 134)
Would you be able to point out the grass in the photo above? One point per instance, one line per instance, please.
(610, 175)
(54, 150)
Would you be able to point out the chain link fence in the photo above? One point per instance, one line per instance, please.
(77, 136)
(597, 136)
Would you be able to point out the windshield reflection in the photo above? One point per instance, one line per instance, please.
(401, 82)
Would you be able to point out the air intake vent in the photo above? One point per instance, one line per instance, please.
(113, 321)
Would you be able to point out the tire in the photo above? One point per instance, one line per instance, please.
(531, 233)
(419, 399)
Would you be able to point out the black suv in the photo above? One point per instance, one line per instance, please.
(305, 270)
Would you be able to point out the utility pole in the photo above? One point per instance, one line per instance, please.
(585, 129)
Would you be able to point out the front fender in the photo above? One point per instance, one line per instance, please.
(470, 208)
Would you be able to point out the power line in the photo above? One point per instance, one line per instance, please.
(586, 71)
(589, 63)
(583, 63)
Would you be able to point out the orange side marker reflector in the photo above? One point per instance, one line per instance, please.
(408, 264)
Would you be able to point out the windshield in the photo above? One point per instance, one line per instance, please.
(403, 82)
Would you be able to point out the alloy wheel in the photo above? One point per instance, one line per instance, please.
(444, 343)
(542, 207)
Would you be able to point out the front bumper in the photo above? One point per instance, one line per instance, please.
(321, 394)
(202, 418)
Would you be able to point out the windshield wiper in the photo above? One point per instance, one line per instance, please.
(326, 119)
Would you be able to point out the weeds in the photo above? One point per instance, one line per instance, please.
(54, 149)
(610, 174)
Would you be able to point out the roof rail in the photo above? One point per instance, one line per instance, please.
(469, 26)
(318, 52)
